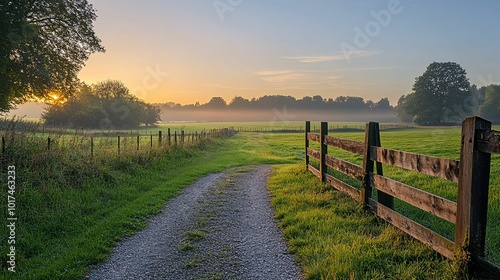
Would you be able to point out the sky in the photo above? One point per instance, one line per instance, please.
(187, 51)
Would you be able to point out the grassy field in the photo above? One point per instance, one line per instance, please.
(328, 232)
(339, 242)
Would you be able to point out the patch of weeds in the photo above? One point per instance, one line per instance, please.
(220, 191)
(216, 276)
(201, 222)
(186, 247)
(225, 252)
(195, 235)
(190, 263)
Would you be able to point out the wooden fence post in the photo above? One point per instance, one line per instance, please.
(92, 147)
(175, 137)
(168, 134)
(151, 141)
(472, 202)
(372, 138)
(368, 165)
(324, 150)
(118, 144)
(138, 141)
(382, 197)
(48, 143)
(159, 138)
(308, 129)
(182, 136)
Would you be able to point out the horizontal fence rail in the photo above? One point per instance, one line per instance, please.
(434, 166)
(471, 173)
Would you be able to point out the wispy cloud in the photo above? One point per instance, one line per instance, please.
(366, 69)
(335, 57)
(296, 76)
(273, 72)
(281, 76)
(284, 78)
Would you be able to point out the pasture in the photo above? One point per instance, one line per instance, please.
(331, 236)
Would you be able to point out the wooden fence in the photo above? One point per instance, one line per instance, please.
(121, 142)
(471, 172)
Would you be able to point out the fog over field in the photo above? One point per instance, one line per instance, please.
(276, 115)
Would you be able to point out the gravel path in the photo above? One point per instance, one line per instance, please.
(221, 227)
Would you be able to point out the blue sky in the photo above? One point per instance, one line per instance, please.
(187, 51)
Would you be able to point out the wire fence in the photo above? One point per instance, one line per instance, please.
(21, 141)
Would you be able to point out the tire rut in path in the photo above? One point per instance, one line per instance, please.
(221, 227)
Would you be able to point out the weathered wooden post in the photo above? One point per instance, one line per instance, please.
(138, 141)
(372, 139)
(308, 129)
(151, 141)
(366, 188)
(182, 136)
(168, 134)
(118, 144)
(91, 147)
(472, 202)
(324, 150)
(159, 138)
(383, 198)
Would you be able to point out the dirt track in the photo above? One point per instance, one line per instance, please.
(221, 227)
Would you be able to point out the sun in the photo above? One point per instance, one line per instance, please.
(54, 98)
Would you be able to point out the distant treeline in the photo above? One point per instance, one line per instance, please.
(269, 102)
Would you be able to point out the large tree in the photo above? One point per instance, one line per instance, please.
(439, 95)
(490, 109)
(43, 46)
(105, 105)
(401, 109)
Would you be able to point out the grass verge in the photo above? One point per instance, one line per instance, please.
(334, 238)
(71, 214)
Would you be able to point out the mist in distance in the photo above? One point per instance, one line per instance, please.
(281, 108)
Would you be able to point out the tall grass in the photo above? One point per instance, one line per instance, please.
(440, 142)
(72, 207)
(334, 238)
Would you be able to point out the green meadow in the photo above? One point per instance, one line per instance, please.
(72, 211)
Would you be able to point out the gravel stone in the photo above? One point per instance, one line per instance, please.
(221, 227)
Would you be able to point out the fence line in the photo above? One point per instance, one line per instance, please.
(296, 129)
(121, 143)
(471, 173)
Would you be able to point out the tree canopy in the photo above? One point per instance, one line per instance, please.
(43, 46)
(105, 105)
(490, 109)
(401, 108)
(268, 102)
(439, 95)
